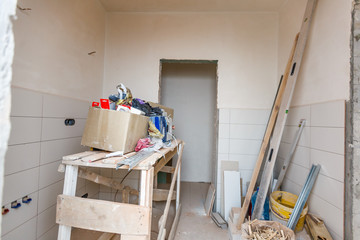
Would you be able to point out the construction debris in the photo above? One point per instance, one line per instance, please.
(265, 230)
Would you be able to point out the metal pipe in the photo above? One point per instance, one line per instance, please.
(300, 203)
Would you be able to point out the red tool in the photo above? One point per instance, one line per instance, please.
(104, 103)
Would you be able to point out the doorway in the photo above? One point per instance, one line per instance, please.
(190, 88)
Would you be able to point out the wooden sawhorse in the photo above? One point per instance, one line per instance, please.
(129, 220)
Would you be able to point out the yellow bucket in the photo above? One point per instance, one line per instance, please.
(282, 205)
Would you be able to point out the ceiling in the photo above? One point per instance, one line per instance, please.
(192, 5)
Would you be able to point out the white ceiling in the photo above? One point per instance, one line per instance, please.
(192, 5)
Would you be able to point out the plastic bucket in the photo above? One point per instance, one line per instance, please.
(281, 207)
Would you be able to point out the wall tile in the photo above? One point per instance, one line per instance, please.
(51, 234)
(328, 139)
(54, 128)
(290, 133)
(20, 184)
(245, 161)
(333, 217)
(25, 103)
(329, 114)
(298, 113)
(24, 130)
(253, 132)
(49, 174)
(16, 217)
(224, 130)
(238, 146)
(223, 146)
(330, 190)
(224, 115)
(48, 195)
(21, 157)
(56, 106)
(297, 174)
(249, 116)
(25, 231)
(302, 156)
(332, 165)
(56, 149)
(46, 220)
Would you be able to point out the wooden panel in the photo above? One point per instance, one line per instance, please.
(103, 216)
(162, 194)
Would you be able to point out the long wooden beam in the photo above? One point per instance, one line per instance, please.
(266, 139)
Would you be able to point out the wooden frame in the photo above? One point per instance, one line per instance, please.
(133, 222)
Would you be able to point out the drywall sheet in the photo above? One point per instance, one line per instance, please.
(232, 195)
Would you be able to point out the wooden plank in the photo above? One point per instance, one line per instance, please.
(164, 161)
(103, 216)
(70, 181)
(94, 177)
(79, 155)
(146, 164)
(167, 169)
(106, 236)
(94, 157)
(266, 139)
(209, 201)
(162, 221)
(175, 224)
(283, 112)
(317, 228)
(162, 194)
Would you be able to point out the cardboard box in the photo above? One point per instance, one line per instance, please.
(169, 111)
(114, 130)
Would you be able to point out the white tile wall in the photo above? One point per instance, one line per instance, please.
(38, 140)
(240, 134)
(322, 143)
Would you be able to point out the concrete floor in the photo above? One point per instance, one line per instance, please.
(194, 224)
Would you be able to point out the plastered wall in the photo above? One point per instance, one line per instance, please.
(325, 71)
(52, 42)
(244, 43)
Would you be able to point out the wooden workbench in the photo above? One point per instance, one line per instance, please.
(131, 221)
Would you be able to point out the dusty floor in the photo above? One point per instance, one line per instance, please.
(193, 223)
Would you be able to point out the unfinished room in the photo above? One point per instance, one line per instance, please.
(191, 119)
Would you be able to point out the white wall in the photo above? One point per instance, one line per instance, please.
(244, 43)
(325, 71)
(52, 42)
(320, 94)
(190, 89)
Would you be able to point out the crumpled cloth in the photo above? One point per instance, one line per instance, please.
(143, 143)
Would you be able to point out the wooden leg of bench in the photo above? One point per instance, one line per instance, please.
(71, 174)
